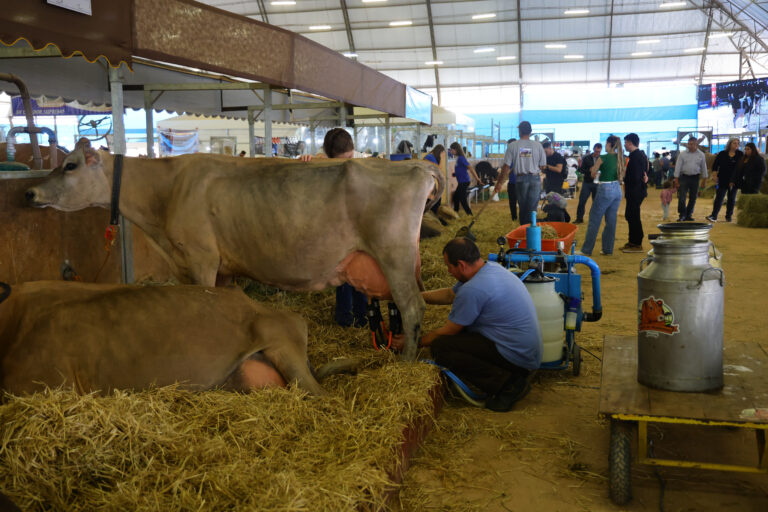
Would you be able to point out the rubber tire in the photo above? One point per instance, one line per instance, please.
(576, 359)
(619, 462)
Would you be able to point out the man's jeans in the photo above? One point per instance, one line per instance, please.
(587, 189)
(605, 204)
(689, 186)
(528, 190)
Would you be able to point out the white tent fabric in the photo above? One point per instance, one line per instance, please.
(616, 41)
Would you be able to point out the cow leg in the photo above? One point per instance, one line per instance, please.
(398, 268)
(284, 338)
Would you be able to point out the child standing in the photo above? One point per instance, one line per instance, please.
(667, 194)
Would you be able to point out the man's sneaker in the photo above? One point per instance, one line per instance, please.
(681, 219)
(689, 219)
(727, 219)
(578, 221)
(633, 248)
(458, 391)
(508, 397)
(627, 245)
(711, 219)
(603, 253)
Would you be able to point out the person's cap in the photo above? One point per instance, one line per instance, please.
(524, 125)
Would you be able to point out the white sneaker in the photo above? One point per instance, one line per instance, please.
(711, 219)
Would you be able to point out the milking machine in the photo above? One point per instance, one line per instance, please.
(555, 288)
(382, 337)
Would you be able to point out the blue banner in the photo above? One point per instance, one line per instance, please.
(55, 108)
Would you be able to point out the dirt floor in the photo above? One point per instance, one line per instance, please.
(551, 452)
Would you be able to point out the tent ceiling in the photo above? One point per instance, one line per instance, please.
(608, 38)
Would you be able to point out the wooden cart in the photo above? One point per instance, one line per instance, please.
(743, 403)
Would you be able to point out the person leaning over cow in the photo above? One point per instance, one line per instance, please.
(436, 156)
(492, 338)
(351, 305)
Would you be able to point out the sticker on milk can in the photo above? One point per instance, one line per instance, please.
(655, 317)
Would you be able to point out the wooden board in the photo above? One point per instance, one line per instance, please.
(745, 386)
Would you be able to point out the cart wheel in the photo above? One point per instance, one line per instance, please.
(576, 359)
(619, 461)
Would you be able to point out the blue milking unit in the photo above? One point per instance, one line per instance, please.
(560, 267)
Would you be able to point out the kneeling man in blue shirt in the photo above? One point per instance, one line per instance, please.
(492, 338)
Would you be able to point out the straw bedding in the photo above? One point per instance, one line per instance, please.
(753, 210)
(278, 449)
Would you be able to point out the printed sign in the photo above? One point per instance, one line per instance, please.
(655, 316)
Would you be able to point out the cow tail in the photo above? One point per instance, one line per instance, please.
(439, 186)
(6, 291)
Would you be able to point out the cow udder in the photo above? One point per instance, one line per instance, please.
(360, 270)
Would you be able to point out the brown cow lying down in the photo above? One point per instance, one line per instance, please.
(103, 337)
(290, 224)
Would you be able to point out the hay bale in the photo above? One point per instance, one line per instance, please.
(753, 210)
(447, 213)
(169, 449)
(764, 186)
(430, 226)
(548, 232)
(708, 192)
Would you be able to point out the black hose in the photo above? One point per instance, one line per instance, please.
(594, 316)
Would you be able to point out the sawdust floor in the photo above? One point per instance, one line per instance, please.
(551, 453)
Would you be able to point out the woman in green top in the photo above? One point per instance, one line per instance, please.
(608, 171)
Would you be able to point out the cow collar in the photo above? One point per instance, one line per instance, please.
(117, 172)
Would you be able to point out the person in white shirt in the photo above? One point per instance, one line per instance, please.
(690, 169)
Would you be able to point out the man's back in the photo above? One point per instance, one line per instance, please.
(525, 156)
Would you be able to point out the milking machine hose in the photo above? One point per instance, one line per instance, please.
(597, 307)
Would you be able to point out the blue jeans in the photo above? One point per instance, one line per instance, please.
(587, 189)
(605, 204)
(528, 189)
(351, 306)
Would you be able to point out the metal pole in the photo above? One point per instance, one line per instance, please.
(267, 122)
(387, 136)
(149, 124)
(251, 134)
(418, 139)
(118, 148)
(312, 143)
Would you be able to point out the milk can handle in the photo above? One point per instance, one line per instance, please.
(701, 278)
(715, 253)
(648, 259)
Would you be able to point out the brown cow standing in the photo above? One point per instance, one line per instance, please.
(295, 225)
(100, 337)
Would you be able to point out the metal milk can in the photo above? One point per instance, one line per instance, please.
(680, 318)
(691, 231)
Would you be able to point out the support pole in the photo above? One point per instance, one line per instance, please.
(118, 148)
(267, 122)
(387, 136)
(251, 134)
(149, 124)
(312, 143)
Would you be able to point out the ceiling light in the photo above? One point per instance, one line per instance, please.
(555, 45)
(484, 16)
(373, 1)
(649, 41)
(718, 35)
(573, 57)
(576, 11)
(669, 5)
(641, 54)
(400, 23)
(320, 27)
(349, 54)
(694, 50)
(485, 50)
(283, 2)
(508, 57)
(433, 62)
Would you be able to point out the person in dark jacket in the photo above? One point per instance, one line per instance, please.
(751, 170)
(635, 183)
(724, 171)
(588, 185)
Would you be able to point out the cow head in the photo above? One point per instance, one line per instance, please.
(79, 182)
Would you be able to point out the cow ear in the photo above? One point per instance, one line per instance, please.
(83, 143)
(92, 157)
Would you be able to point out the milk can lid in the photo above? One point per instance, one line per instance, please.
(684, 226)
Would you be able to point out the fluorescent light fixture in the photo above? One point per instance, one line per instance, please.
(507, 57)
(694, 50)
(641, 54)
(349, 54)
(320, 27)
(373, 1)
(670, 5)
(555, 45)
(576, 11)
(573, 57)
(283, 2)
(718, 35)
(649, 41)
(400, 23)
(433, 62)
(484, 16)
(485, 50)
